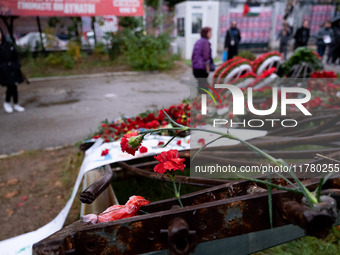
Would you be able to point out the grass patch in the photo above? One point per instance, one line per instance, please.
(36, 67)
(306, 246)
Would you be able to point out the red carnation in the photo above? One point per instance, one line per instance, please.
(169, 160)
(105, 152)
(130, 143)
(179, 142)
(160, 143)
(143, 149)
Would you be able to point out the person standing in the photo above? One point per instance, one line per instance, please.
(202, 62)
(335, 45)
(284, 37)
(232, 40)
(10, 74)
(324, 38)
(302, 35)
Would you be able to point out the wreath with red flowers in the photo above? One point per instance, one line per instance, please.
(243, 77)
(263, 76)
(258, 61)
(231, 67)
(220, 69)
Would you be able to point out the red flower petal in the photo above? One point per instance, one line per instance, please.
(124, 144)
(169, 160)
(143, 149)
(105, 152)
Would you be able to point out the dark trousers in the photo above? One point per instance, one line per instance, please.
(12, 91)
(321, 49)
(201, 75)
(232, 52)
(283, 50)
(335, 53)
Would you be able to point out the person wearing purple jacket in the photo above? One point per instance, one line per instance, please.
(202, 62)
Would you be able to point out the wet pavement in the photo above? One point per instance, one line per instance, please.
(63, 112)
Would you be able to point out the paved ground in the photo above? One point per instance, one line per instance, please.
(64, 111)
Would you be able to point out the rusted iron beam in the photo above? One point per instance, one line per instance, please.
(217, 219)
(95, 189)
(317, 221)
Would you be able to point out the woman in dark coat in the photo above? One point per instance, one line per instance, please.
(10, 74)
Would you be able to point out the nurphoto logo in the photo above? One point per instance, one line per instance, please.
(290, 97)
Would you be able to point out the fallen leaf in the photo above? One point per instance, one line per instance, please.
(12, 194)
(58, 184)
(9, 212)
(12, 181)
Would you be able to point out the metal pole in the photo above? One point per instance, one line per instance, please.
(40, 34)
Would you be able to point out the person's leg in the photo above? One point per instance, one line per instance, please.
(15, 94)
(321, 50)
(7, 104)
(9, 93)
(231, 52)
(201, 76)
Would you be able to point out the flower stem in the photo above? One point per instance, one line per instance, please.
(176, 191)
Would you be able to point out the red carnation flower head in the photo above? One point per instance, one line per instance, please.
(143, 149)
(169, 160)
(105, 152)
(130, 143)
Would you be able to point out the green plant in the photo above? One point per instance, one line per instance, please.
(147, 52)
(131, 22)
(100, 49)
(116, 45)
(59, 60)
(247, 55)
(301, 55)
(74, 50)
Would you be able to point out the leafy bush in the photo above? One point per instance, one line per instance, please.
(59, 60)
(116, 46)
(146, 52)
(100, 49)
(247, 55)
(74, 50)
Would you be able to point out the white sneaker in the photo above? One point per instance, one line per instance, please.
(18, 108)
(8, 107)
